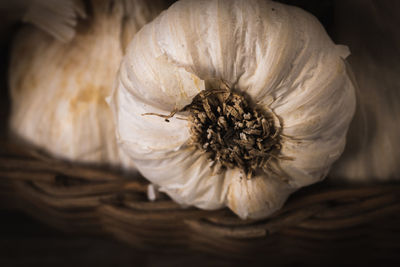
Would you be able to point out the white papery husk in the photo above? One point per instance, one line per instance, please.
(58, 88)
(279, 55)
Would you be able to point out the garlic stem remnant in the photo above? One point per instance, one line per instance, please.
(233, 132)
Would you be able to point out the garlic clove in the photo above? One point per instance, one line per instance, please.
(305, 162)
(155, 81)
(135, 127)
(257, 197)
(315, 128)
(187, 176)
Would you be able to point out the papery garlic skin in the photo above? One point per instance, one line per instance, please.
(279, 55)
(58, 89)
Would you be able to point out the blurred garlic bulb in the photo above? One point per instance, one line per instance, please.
(58, 88)
(258, 97)
(373, 150)
(56, 17)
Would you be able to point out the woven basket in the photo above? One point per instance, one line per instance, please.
(319, 219)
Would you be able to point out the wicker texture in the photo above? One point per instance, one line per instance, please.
(99, 201)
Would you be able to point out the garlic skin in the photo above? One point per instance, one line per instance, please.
(277, 54)
(58, 88)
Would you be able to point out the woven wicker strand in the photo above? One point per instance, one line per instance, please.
(100, 201)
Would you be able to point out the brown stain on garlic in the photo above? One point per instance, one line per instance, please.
(231, 199)
(88, 95)
(182, 92)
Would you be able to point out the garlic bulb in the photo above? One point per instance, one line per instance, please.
(58, 89)
(373, 153)
(233, 103)
(58, 18)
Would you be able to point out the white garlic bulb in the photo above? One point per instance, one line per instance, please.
(58, 89)
(260, 101)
